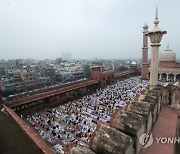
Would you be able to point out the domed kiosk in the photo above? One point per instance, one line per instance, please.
(133, 66)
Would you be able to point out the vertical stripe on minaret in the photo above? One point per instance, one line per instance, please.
(144, 69)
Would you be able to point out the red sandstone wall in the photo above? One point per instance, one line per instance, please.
(103, 77)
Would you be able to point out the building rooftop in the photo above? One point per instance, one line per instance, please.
(13, 139)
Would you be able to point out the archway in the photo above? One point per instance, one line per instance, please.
(164, 76)
(148, 75)
(178, 77)
(158, 76)
(171, 77)
(108, 81)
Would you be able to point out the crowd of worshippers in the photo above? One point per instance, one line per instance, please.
(72, 124)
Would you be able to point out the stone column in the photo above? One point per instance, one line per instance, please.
(155, 37)
(154, 64)
(167, 78)
(160, 76)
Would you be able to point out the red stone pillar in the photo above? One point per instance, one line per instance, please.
(63, 98)
(53, 101)
(144, 70)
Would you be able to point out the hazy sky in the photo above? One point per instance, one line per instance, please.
(87, 28)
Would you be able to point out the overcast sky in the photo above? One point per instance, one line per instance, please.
(87, 28)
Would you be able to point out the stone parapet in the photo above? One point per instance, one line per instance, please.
(143, 109)
(158, 95)
(81, 150)
(131, 124)
(153, 105)
(108, 140)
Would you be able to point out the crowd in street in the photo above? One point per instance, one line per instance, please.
(72, 124)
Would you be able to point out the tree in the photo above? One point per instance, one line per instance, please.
(121, 69)
(87, 70)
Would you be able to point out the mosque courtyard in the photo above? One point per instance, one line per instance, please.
(73, 124)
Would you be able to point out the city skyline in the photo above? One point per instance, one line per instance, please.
(87, 29)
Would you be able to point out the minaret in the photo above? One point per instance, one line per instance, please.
(144, 69)
(155, 37)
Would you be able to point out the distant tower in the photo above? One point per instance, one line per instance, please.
(144, 70)
(66, 55)
(155, 37)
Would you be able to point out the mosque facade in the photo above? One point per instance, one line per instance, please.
(168, 67)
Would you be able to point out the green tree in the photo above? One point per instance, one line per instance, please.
(121, 69)
(87, 70)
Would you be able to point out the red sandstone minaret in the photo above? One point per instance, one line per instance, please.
(144, 70)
